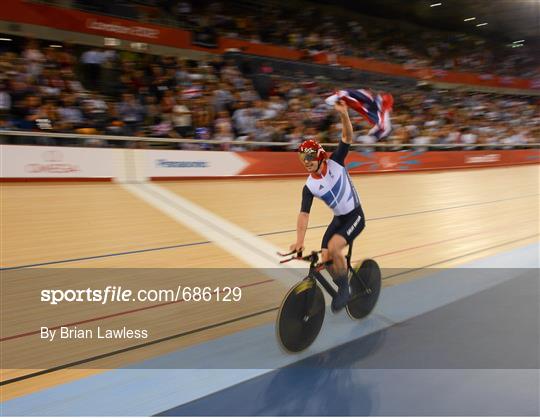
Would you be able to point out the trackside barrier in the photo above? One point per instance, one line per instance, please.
(61, 163)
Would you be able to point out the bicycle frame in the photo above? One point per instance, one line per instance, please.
(314, 270)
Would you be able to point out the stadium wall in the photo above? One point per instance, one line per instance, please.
(46, 163)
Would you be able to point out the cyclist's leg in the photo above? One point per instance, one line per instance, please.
(339, 271)
(330, 231)
(350, 228)
(336, 245)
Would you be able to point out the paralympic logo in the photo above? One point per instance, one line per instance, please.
(373, 162)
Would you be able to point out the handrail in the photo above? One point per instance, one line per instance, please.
(242, 142)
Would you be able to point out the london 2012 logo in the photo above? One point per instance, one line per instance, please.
(52, 162)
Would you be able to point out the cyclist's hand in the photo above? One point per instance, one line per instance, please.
(296, 247)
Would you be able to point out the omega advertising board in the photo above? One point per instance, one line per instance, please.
(38, 162)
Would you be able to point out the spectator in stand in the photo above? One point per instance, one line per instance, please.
(151, 109)
(115, 125)
(222, 98)
(263, 132)
(162, 128)
(366, 140)
(468, 138)
(26, 112)
(244, 119)
(182, 118)
(71, 116)
(168, 102)
(400, 137)
(5, 100)
(514, 137)
(223, 129)
(277, 104)
(202, 117)
(131, 112)
(34, 59)
(334, 133)
(48, 116)
(423, 139)
(91, 61)
(295, 137)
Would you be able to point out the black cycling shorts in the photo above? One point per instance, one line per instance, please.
(348, 226)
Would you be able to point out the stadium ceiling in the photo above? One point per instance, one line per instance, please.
(507, 20)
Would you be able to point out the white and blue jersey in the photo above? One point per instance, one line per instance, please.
(334, 187)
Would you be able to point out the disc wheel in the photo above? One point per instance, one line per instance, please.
(300, 316)
(365, 286)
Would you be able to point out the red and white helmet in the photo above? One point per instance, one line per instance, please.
(311, 150)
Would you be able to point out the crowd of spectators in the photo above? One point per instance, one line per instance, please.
(314, 30)
(141, 95)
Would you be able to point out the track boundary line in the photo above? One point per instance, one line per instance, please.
(94, 257)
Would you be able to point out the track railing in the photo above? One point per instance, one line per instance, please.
(40, 138)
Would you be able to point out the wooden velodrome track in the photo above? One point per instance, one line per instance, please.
(414, 220)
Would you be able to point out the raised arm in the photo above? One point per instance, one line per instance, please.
(347, 134)
(342, 150)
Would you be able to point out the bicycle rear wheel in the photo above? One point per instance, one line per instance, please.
(365, 286)
(300, 316)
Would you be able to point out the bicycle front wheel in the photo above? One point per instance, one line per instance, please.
(300, 316)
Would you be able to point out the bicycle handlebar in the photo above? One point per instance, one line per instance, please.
(313, 257)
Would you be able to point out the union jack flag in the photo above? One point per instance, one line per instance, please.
(375, 108)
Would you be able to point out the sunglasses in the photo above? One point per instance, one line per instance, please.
(308, 156)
